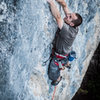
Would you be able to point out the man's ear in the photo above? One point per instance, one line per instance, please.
(71, 24)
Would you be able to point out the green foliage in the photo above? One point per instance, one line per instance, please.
(82, 91)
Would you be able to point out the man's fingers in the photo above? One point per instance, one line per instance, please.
(49, 1)
(59, 0)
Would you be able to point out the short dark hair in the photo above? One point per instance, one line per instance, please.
(78, 21)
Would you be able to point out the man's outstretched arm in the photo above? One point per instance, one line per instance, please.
(64, 5)
(56, 13)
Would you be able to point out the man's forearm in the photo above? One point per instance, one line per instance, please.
(54, 10)
(64, 5)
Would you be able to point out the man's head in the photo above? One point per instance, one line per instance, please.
(73, 19)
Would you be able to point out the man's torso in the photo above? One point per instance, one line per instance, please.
(65, 38)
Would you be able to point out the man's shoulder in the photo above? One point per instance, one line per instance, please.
(65, 26)
(73, 29)
(69, 29)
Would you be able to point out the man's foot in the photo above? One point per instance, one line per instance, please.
(56, 82)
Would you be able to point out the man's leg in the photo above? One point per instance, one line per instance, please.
(54, 72)
(57, 81)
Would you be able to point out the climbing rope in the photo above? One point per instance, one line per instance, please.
(54, 93)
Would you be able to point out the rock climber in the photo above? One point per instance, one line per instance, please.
(65, 35)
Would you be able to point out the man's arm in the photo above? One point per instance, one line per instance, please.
(64, 5)
(56, 13)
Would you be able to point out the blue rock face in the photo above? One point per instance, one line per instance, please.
(27, 29)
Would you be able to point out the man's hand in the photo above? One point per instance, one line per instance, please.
(60, 1)
(56, 13)
(63, 4)
(49, 1)
(63, 68)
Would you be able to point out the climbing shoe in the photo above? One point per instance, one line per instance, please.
(56, 82)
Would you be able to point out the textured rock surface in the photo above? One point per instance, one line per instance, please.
(27, 29)
(90, 87)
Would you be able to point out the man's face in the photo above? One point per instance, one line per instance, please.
(69, 18)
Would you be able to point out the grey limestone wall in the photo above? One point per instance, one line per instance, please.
(27, 29)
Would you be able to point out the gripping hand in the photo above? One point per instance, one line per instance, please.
(60, 1)
(49, 1)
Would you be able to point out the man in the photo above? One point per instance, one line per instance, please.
(67, 31)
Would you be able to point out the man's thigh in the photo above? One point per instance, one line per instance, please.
(53, 70)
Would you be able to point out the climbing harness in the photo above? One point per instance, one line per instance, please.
(60, 56)
(54, 93)
(60, 60)
(44, 63)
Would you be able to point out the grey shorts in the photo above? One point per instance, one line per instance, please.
(53, 70)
